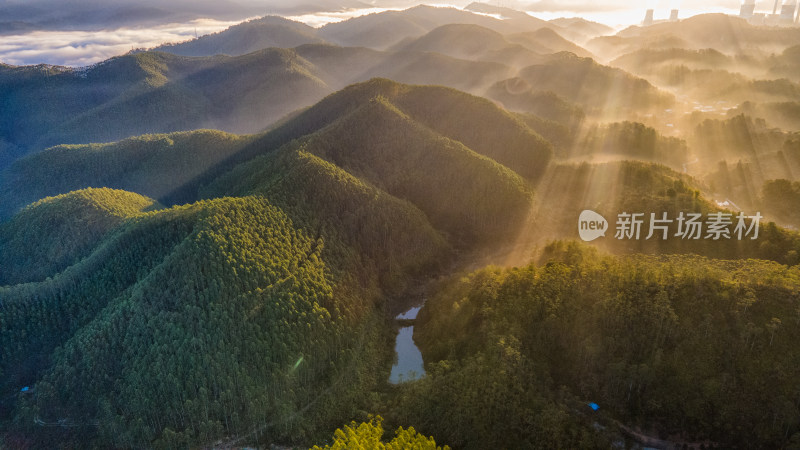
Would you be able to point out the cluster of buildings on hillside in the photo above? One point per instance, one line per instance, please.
(784, 13)
(787, 15)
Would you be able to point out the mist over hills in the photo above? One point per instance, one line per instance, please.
(247, 37)
(718, 31)
(208, 244)
(154, 92)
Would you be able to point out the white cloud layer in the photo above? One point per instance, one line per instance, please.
(83, 48)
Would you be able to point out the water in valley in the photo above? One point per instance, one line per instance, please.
(408, 365)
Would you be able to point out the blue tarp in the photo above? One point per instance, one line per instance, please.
(25, 389)
(594, 406)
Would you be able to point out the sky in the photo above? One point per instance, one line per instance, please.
(83, 32)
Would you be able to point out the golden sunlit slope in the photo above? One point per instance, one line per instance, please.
(382, 30)
(515, 94)
(599, 89)
(725, 33)
(474, 42)
(474, 121)
(586, 27)
(787, 64)
(638, 187)
(546, 41)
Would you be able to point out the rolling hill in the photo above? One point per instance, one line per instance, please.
(171, 168)
(594, 86)
(184, 287)
(562, 325)
(157, 165)
(56, 232)
(247, 37)
(151, 93)
(472, 42)
(305, 236)
(160, 93)
(727, 34)
(547, 41)
(382, 30)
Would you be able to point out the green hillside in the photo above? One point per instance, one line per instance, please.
(245, 315)
(171, 168)
(152, 93)
(56, 232)
(513, 354)
(468, 195)
(232, 286)
(475, 122)
(314, 191)
(158, 166)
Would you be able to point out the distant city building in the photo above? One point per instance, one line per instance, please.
(747, 10)
(787, 13)
(787, 16)
(648, 18)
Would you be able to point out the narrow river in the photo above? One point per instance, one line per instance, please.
(408, 365)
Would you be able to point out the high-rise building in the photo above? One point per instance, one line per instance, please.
(648, 18)
(787, 12)
(673, 15)
(748, 7)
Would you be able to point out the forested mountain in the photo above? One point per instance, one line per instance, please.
(172, 167)
(142, 299)
(596, 87)
(211, 285)
(382, 30)
(234, 83)
(516, 94)
(547, 41)
(247, 37)
(218, 244)
(56, 232)
(473, 42)
(159, 166)
(151, 93)
(342, 66)
(708, 333)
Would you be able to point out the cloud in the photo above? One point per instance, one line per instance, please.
(82, 48)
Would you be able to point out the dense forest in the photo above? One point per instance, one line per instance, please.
(688, 348)
(215, 243)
